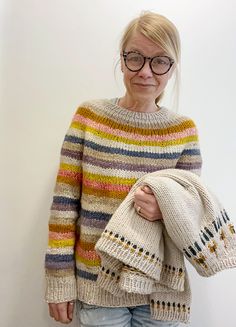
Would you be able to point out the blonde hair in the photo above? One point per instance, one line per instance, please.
(161, 31)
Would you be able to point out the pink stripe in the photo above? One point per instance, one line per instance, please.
(71, 174)
(61, 236)
(90, 255)
(132, 136)
(104, 186)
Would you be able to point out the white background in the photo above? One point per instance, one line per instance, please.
(56, 54)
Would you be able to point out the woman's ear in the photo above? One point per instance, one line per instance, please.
(121, 65)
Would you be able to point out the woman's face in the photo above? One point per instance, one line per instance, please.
(144, 85)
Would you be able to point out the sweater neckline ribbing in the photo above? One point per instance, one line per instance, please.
(163, 118)
(112, 110)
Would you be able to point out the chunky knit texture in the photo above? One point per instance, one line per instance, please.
(105, 151)
(135, 252)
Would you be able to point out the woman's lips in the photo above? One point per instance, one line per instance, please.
(143, 85)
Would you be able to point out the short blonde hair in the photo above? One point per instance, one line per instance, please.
(161, 31)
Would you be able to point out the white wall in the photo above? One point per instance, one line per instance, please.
(58, 53)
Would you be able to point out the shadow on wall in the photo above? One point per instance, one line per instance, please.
(28, 307)
(200, 310)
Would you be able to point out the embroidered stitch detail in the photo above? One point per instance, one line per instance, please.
(170, 306)
(133, 248)
(207, 236)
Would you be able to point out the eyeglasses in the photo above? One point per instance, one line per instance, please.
(135, 61)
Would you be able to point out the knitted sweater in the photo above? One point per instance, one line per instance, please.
(148, 258)
(105, 151)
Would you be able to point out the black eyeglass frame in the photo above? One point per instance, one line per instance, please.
(125, 54)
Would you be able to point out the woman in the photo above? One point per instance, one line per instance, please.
(109, 145)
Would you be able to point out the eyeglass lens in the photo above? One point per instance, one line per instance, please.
(159, 64)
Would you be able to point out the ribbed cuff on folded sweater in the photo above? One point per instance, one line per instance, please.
(109, 275)
(133, 281)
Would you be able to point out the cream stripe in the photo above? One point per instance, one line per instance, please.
(71, 161)
(64, 214)
(66, 250)
(131, 147)
(100, 204)
(113, 172)
(90, 231)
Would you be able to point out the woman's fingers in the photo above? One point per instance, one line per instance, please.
(53, 311)
(61, 311)
(146, 189)
(70, 309)
(146, 204)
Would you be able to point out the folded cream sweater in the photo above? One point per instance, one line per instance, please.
(139, 256)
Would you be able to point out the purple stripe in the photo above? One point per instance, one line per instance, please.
(59, 265)
(61, 207)
(101, 224)
(121, 165)
(188, 165)
(72, 154)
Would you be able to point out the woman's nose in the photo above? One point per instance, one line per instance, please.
(146, 71)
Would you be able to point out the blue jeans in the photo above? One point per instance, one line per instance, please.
(140, 316)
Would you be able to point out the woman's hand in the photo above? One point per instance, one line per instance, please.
(62, 312)
(146, 204)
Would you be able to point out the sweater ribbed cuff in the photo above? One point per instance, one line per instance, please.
(174, 281)
(216, 267)
(60, 289)
(109, 283)
(109, 275)
(133, 281)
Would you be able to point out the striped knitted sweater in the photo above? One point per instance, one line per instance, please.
(105, 151)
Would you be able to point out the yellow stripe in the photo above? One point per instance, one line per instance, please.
(78, 125)
(109, 179)
(61, 243)
(68, 181)
(88, 262)
(104, 193)
(69, 167)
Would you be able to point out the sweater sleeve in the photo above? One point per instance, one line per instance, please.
(196, 221)
(59, 259)
(190, 158)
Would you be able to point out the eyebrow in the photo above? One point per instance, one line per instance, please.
(139, 51)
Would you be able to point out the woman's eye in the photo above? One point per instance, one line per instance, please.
(135, 59)
(160, 61)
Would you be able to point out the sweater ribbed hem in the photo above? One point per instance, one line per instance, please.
(90, 293)
(169, 315)
(60, 289)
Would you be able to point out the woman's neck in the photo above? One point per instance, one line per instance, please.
(138, 105)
